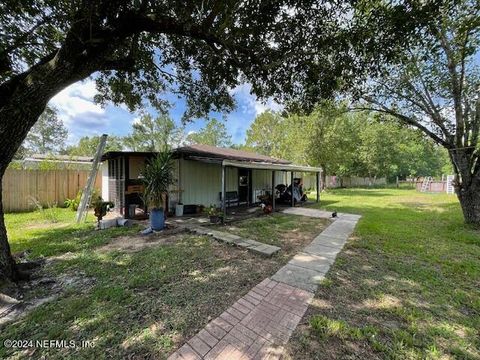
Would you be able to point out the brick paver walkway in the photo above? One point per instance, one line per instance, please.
(260, 323)
(255, 327)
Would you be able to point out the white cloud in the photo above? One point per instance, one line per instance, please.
(136, 120)
(78, 112)
(248, 102)
(77, 99)
(270, 104)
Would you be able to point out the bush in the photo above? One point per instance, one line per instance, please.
(73, 204)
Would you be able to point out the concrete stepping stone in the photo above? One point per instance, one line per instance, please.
(299, 277)
(309, 212)
(313, 262)
(340, 229)
(322, 250)
(325, 240)
(350, 217)
(251, 245)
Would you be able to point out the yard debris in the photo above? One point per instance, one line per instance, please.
(12, 309)
(114, 222)
(147, 231)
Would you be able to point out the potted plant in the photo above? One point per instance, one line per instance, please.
(157, 177)
(213, 213)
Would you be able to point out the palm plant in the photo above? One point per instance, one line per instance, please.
(157, 177)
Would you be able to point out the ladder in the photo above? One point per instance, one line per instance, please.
(426, 184)
(87, 191)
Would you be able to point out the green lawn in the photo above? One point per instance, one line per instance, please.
(289, 232)
(141, 304)
(406, 286)
(39, 236)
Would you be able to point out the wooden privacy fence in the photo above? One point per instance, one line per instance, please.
(47, 186)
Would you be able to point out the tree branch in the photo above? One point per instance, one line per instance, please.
(407, 120)
(455, 88)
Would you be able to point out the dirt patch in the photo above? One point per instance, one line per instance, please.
(42, 288)
(47, 225)
(139, 242)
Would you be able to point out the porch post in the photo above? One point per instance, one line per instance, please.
(273, 191)
(224, 203)
(318, 186)
(291, 185)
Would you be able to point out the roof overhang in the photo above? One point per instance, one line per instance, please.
(270, 166)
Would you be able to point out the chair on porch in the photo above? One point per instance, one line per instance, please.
(231, 197)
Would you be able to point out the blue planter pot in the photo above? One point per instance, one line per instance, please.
(157, 219)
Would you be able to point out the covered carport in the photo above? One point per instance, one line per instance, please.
(273, 168)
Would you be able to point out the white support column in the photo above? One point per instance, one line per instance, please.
(291, 186)
(224, 203)
(273, 191)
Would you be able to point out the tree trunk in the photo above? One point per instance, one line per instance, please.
(469, 197)
(21, 104)
(467, 184)
(7, 264)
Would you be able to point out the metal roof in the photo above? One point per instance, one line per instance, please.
(55, 157)
(270, 166)
(114, 154)
(227, 153)
(224, 156)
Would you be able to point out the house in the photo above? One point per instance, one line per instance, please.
(204, 175)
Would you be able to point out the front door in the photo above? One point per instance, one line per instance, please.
(244, 188)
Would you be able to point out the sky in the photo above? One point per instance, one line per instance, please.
(83, 117)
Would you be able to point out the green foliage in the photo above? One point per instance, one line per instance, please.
(15, 165)
(157, 177)
(265, 133)
(48, 135)
(280, 136)
(346, 143)
(214, 133)
(211, 210)
(47, 164)
(74, 203)
(433, 86)
(154, 134)
(200, 51)
(87, 146)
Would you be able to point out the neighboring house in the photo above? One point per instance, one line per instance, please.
(200, 171)
(50, 161)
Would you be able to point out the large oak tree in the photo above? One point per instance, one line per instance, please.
(139, 49)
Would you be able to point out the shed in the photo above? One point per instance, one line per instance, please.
(204, 175)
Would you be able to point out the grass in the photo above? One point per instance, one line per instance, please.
(289, 232)
(406, 286)
(142, 304)
(36, 234)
